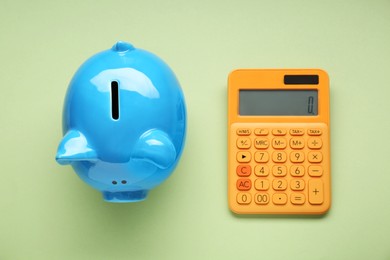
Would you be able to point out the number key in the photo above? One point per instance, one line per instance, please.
(279, 157)
(297, 157)
(297, 184)
(279, 184)
(261, 184)
(279, 171)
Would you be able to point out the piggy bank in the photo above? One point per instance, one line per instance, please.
(124, 123)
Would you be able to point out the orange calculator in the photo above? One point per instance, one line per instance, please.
(278, 141)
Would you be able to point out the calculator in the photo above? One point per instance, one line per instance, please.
(278, 141)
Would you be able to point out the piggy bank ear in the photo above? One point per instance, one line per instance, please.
(155, 147)
(74, 147)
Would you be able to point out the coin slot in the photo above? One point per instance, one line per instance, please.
(114, 100)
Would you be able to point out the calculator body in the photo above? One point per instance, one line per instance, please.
(278, 141)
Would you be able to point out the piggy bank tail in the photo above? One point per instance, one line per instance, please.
(74, 147)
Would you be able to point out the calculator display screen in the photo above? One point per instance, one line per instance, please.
(278, 102)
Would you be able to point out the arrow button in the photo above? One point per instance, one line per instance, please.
(243, 157)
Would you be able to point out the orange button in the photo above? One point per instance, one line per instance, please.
(314, 143)
(261, 198)
(297, 198)
(297, 171)
(243, 198)
(297, 143)
(314, 157)
(243, 142)
(243, 131)
(296, 131)
(261, 170)
(279, 157)
(279, 143)
(261, 157)
(243, 184)
(243, 170)
(279, 198)
(261, 131)
(279, 171)
(261, 184)
(261, 143)
(243, 157)
(279, 131)
(297, 157)
(316, 191)
(297, 184)
(315, 170)
(279, 184)
(314, 131)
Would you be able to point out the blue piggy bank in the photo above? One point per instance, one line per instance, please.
(124, 123)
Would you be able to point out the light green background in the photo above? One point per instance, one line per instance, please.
(46, 212)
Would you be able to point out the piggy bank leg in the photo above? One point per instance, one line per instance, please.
(125, 196)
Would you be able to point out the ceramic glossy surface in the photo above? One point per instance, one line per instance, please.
(124, 123)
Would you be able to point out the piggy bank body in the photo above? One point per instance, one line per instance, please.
(124, 123)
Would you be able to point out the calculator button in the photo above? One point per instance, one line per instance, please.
(297, 198)
(314, 143)
(261, 131)
(261, 184)
(279, 131)
(243, 142)
(243, 198)
(296, 131)
(297, 143)
(297, 157)
(243, 157)
(261, 170)
(279, 143)
(297, 171)
(315, 170)
(279, 184)
(279, 171)
(279, 198)
(279, 157)
(316, 191)
(243, 131)
(262, 198)
(297, 184)
(261, 143)
(243, 184)
(261, 157)
(314, 157)
(314, 131)
(243, 170)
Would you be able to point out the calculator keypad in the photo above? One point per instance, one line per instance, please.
(280, 168)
